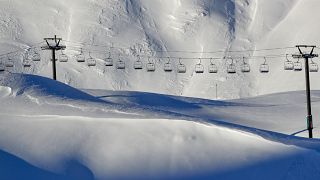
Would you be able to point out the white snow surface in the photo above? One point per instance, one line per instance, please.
(103, 123)
(138, 27)
(136, 135)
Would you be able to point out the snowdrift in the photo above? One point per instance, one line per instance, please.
(62, 141)
(16, 168)
(19, 84)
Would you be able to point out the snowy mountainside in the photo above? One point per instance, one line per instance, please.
(155, 28)
(47, 134)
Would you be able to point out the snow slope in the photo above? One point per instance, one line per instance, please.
(144, 27)
(282, 112)
(128, 135)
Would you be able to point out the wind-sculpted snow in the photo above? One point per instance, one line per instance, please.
(13, 167)
(140, 125)
(134, 135)
(162, 148)
(22, 84)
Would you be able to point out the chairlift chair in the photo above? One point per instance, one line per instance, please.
(36, 56)
(313, 67)
(2, 67)
(9, 63)
(288, 65)
(120, 64)
(81, 57)
(26, 63)
(63, 57)
(231, 68)
(138, 64)
(108, 60)
(150, 66)
(297, 66)
(264, 67)
(245, 66)
(91, 61)
(167, 66)
(181, 67)
(212, 67)
(199, 68)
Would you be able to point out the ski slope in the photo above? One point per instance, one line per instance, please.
(58, 131)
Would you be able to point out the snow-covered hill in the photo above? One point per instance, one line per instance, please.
(144, 27)
(104, 123)
(49, 129)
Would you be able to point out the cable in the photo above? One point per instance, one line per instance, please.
(180, 51)
(13, 52)
(77, 48)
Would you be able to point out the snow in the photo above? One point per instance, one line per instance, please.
(107, 133)
(103, 123)
(5, 91)
(146, 27)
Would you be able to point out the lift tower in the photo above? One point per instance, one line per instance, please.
(53, 44)
(307, 56)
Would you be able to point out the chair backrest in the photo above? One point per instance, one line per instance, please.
(313, 67)
(231, 68)
(91, 62)
(63, 58)
(264, 68)
(36, 57)
(138, 65)
(182, 68)
(213, 68)
(167, 67)
(81, 58)
(121, 65)
(245, 68)
(199, 68)
(288, 65)
(2, 67)
(151, 67)
(297, 66)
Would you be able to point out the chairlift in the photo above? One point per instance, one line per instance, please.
(150, 66)
(288, 65)
(81, 57)
(264, 67)
(91, 61)
(108, 60)
(297, 66)
(36, 56)
(26, 63)
(231, 68)
(2, 67)
(138, 64)
(9, 63)
(63, 57)
(181, 67)
(245, 66)
(120, 64)
(199, 68)
(212, 67)
(167, 66)
(313, 67)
